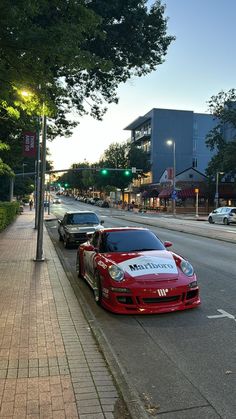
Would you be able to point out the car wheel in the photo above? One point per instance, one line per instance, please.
(98, 290)
(65, 243)
(226, 221)
(210, 220)
(78, 267)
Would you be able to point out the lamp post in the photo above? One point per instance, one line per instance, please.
(40, 181)
(172, 143)
(23, 169)
(39, 249)
(217, 188)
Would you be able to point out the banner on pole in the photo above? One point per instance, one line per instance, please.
(29, 144)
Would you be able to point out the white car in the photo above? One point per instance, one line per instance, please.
(56, 201)
(223, 215)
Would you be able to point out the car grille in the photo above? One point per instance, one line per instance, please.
(161, 300)
(80, 237)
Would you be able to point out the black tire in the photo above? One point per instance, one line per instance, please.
(98, 296)
(65, 243)
(210, 220)
(78, 267)
(226, 221)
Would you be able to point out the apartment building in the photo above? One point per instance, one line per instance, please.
(186, 128)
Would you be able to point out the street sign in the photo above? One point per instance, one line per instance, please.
(133, 169)
(174, 195)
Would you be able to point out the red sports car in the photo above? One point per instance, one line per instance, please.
(130, 271)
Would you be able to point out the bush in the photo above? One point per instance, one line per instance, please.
(8, 212)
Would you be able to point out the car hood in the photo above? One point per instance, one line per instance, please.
(159, 264)
(83, 228)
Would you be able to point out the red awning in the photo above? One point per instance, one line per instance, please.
(165, 193)
(189, 193)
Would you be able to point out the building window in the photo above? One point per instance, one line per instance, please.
(194, 162)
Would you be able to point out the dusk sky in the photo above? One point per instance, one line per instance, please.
(199, 64)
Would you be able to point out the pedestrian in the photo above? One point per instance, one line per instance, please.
(31, 204)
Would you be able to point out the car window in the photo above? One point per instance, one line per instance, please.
(88, 218)
(129, 241)
(233, 211)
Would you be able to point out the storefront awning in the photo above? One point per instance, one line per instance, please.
(165, 193)
(189, 193)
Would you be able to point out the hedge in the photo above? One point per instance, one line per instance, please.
(8, 212)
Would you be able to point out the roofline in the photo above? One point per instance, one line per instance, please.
(138, 121)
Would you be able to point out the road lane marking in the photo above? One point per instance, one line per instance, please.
(222, 315)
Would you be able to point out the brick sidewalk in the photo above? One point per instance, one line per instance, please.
(50, 365)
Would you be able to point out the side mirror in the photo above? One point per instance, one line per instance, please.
(59, 221)
(168, 244)
(102, 222)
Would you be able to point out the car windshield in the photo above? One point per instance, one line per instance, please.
(130, 241)
(86, 218)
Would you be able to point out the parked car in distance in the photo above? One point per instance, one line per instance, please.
(131, 272)
(56, 201)
(223, 215)
(75, 226)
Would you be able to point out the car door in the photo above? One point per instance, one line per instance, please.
(215, 215)
(89, 263)
(219, 215)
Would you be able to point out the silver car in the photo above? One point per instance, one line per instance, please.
(75, 226)
(223, 215)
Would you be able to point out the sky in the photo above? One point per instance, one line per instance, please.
(199, 64)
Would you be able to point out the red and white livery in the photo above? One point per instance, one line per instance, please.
(131, 271)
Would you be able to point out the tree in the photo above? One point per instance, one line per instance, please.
(222, 138)
(122, 156)
(77, 51)
(138, 158)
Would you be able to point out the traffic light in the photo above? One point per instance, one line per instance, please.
(104, 172)
(127, 172)
(66, 185)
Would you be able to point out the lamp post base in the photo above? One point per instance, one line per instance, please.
(39, 260)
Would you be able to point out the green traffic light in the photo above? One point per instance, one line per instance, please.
(127, 172)
(104, 171)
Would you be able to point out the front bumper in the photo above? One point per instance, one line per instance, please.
(148, 301)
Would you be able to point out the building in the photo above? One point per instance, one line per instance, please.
(186, 128)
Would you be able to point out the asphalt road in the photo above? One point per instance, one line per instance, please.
(183, 364)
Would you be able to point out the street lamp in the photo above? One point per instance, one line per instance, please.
(217, 188)
(39, 249)
(40, 181)
(23, 169)
(172, 143)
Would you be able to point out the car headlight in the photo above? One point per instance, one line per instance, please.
(186, 268)
(116, 273)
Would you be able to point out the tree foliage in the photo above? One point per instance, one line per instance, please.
(71, 55)
(222, 138)
(78, 51)
(117, 156)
